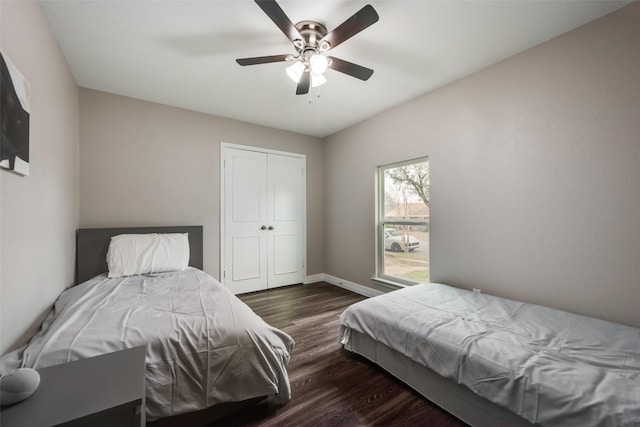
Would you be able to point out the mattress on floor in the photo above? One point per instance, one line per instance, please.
(548, 366)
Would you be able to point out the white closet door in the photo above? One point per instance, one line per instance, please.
(263, 224)
(245, 213)
(285, 218)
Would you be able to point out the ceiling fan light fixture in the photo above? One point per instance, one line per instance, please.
(324, 45)
(311, 39)
(295, 71)
(318, 63)
(317, 80)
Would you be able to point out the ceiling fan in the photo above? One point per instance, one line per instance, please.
(311, 40)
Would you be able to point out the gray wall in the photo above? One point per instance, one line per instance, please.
(39, 213)
(149, 164)
(535, 175)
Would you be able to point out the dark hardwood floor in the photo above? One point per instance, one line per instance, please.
(330, 386)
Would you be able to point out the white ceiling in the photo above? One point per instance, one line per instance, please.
(182, 53)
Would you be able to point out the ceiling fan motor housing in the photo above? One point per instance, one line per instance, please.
(312, 33)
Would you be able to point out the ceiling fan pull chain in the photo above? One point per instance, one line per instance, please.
(317, 94)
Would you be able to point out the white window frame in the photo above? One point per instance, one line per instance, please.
(381, 222)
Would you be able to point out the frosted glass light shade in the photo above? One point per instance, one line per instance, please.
(317, 80)
(295, 71)
(318, 63)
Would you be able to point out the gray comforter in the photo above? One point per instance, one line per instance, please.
(204, 345)
(548, 366)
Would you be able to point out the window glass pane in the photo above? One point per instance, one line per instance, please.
(406, 252)
(403, 220)
(406, 192)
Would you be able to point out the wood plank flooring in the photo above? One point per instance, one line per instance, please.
(330, 386)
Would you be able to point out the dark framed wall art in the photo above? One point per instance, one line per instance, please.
(14, 118)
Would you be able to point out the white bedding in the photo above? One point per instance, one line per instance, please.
(548, 366)
(204, 345)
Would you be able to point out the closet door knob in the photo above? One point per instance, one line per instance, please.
(271, 227)
(264, 227)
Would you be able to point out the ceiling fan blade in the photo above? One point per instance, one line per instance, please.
(303, 84)
(277, 15)
(262, 59)
(362, 19)
(346, 67)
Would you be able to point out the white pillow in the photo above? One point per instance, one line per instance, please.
(131, 254)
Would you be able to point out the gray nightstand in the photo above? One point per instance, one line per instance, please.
(106, 390)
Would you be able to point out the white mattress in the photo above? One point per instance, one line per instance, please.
(549, 367)
(204, 345)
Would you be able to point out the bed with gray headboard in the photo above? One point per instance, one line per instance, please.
(92, 245)
(202, 341)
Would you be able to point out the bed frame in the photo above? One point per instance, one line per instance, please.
(92, 245)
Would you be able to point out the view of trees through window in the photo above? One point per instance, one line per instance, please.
(403, 252)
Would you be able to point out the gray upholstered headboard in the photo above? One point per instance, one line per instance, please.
(92, 245)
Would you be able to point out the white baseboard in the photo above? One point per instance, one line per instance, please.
(352, 286)
(314, 278)
(344, 284)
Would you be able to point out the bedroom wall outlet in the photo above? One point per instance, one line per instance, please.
(476, 291)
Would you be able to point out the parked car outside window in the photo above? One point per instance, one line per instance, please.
(395, 241)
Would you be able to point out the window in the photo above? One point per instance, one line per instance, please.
(403, 222)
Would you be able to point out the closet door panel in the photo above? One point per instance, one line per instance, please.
(285, 216)
(286, 246)
(245, 205)
(246, 253)
(263, 220)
